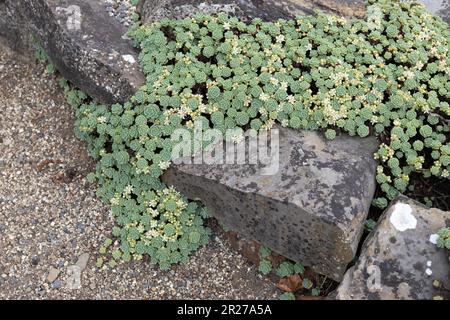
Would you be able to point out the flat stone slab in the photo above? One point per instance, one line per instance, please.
(399, 259)
(310, 210)
(88, 47)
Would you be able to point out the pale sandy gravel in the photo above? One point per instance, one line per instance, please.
(52, 222)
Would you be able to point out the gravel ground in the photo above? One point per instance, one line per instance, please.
(49, 215)
(122, 10)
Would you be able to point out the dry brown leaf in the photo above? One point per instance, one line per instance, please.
(291, 283)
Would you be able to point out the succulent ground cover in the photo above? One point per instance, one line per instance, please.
(443, 241)
(386, 75)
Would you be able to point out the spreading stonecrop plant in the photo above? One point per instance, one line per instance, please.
(443, 241)
(386, 75)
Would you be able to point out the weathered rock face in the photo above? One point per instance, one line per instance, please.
(439, 7)
(86, 45)
(270, 10)
(399, 260)
(13, 31)
(310, 210)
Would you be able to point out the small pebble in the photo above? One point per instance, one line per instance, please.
(83, 261)
(35, 260)
(80, 227)
(52, 274)
(56, 284)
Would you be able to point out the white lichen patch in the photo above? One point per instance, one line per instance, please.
(402, 218)
(433, 238)
(109, 89)
(73, 14)
(129, 58)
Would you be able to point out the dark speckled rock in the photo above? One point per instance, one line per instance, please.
(13, 31)
(398, 260)
(86, 45)
(311, 210)
(269, 10)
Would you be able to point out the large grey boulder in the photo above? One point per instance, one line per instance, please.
(308, 204)
(270, 10)
(88, 47)
(14, 32)
(439, 7)
(399, 259)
